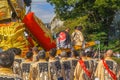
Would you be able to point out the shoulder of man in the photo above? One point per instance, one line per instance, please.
(112, 60)
(17, 77)
(19, 60)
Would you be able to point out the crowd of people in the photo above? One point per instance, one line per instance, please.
(71, 63)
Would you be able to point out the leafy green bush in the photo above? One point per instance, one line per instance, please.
(113, 44)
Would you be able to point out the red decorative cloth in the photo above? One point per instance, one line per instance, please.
(84, 68)
(109, 71)
(36, 29)
(30, 40)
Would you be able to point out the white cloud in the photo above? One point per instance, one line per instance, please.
(43, 11)
(45, 16)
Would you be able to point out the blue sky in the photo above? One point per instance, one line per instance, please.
(43, 10)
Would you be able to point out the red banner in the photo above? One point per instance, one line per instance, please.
(39, 31)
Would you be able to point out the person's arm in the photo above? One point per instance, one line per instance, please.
(81, 37)
(72, 36)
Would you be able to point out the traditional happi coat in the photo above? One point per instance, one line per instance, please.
(118, 75)
(63, 40)
(54, 68)
(26, 68)
(93, 65)
(7, 74)
(77, 38)
(73, 63)
(102, 72)
(66, 69)
(17, 65)
(83, 70)
(40, 70)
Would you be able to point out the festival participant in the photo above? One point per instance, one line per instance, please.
(77, 38)
(40, 68)
(54, 66)
(92, 62)
(17, 52)
(29, 56)
(35, 53)
(73, 61)
(82, 70)
(6, 62)
(75, 55)
(26, 66)
(66, 66)
(18, 60)
(63, 41)
(107, 68)
(118, 75)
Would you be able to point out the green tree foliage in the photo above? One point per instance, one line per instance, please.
(99, 12)
(77, 8)
(99, 15)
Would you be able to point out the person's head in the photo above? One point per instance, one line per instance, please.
(69, 54)
(83, 54)
(35, 49)
(75, 53)
(41, 54)
(52, 52)
(89, 52)
(75, 27)
(13, 50)
(63, 54)
(109, 53)
(6, 59)
(16, 51)
(67, 29)
(29, 55)
(79, 28)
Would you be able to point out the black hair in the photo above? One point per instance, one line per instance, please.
(75, 27)
(52, 52)
(13, 50)
(83, 53)
(75, 53)
(35, 49)
(6, 59)
(29, 54)
(41, 54)
(89, 54)
(68, 54)
(27, 2)
(16, 51)
(79, 27)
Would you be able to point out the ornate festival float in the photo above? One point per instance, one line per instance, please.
(14, 23)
